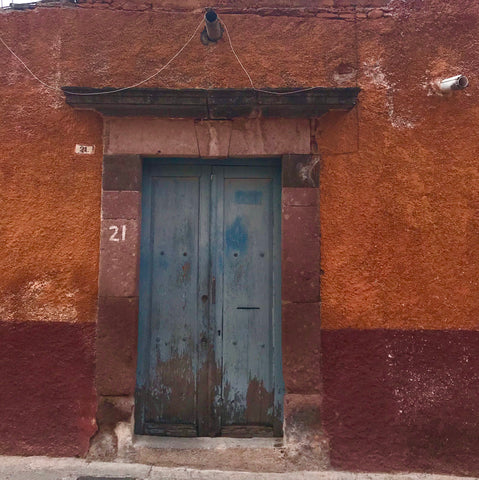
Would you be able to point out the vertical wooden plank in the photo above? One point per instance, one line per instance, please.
(216, 255)
(248, 388)
(170, 300)
(141, 390)
(205, 374)
(173, 305)
(277, 358)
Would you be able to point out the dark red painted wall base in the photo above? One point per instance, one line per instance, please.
(47, 397)
(393, 400)
(402, 400)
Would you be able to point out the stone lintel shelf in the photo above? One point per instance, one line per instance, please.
(213, 103)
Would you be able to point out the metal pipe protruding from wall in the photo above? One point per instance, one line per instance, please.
(459, 82)
(213, 26)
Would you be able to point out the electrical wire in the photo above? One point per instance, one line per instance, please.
(27, 69)
(51, 87)
(249, 76)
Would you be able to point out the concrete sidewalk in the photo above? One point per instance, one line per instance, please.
(45, 468)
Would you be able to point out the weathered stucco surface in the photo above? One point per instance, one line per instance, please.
(399, 197)
(402, 400)
(47, 397)
(399, 213)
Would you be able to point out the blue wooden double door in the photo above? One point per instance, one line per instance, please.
(209, 358)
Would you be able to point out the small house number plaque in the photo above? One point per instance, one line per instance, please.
(84, 149)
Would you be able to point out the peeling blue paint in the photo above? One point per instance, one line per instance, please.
(237, 236)
(249, 197)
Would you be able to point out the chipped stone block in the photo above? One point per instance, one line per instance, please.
(119, 258)
(275, 136)
(152, 136)
(213, 137)
(121, 205)
(116, 346)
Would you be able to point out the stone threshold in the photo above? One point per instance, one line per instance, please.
(204, 443)
(220, 453)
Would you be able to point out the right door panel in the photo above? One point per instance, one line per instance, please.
(247, 200)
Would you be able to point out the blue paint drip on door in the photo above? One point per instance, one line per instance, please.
(237, 236)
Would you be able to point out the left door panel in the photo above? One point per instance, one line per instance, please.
(174, 286)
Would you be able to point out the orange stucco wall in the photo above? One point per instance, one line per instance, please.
(398, 212)
(50, 204)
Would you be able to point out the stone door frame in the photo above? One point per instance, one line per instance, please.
(127, 141)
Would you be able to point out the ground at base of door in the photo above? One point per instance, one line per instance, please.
(45, 468)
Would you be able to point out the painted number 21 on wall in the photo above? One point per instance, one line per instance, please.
(118, 233)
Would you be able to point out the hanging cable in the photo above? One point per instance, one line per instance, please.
(52, 87)
(249, 76)
(55, 88)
